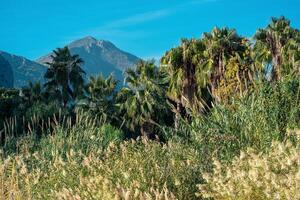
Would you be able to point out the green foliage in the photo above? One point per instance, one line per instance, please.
(254, 121)
(9, 99)
(221, 45)
(237, 79)
(83, 136)
(42, 110)
(143, 102)
(186, 75)
(111, 135)
(100, 98)
(65, 76)
(278, 45)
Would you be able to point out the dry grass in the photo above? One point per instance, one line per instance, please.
(253, 175)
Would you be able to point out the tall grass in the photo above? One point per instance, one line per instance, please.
(253, 175)
(81, 166)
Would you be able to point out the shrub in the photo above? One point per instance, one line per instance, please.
(111, 135)
(60, 134)
(43, 110)
(9, 100)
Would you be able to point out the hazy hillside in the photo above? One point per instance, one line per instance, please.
(6, 74)
(24, 70)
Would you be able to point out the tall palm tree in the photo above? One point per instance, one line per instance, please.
(271, 43)
(181, 63)
(142, 101)
(220, 46)
(187, 85)
(65, 76)
(100, 97)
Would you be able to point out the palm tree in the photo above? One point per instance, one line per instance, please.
(100, 97)
(271, 43)
(220, 45)
(186, 83)
(238, 76)
(30, 95)
(142, 101)
(33, 92)
(182, 63)
(65, 76)
(291, 56)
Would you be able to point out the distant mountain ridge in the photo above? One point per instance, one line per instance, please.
(6, 74)
(100, 57)
(23, 69)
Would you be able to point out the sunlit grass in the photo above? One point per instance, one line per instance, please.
(253, 175)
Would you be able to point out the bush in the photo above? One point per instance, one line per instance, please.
(42, 110)
(254, 175)
(9, 100)
(111, 135)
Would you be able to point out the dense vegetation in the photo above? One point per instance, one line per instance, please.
(218, 119)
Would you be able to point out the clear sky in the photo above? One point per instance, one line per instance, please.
(32, 28)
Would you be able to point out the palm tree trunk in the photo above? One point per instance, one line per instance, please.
(189, 85)
(274, 72)
(240, 82)
(276, 62)
(216, 77)
(177, 116)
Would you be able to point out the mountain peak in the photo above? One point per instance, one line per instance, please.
(89, 41)
(100, 57)
(86, 41)
(89, 38)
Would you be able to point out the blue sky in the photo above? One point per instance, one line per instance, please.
(32, 28)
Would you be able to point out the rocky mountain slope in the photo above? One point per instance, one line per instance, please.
(24, 70)
(100, 57)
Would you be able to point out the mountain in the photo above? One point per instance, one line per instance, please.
(23, 70)
(6, 74)
(100, 57)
